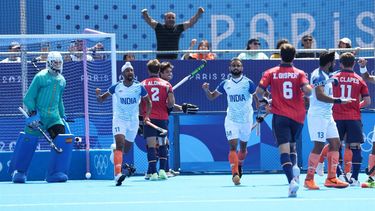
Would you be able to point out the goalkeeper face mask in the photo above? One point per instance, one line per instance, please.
(54, 63)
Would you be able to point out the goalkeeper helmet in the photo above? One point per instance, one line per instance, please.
(54, 62)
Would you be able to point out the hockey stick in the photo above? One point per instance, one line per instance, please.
(49, 140)
(192, 74)
(161, 130)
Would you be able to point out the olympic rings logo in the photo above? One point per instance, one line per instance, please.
(367, 145)
(101, 164)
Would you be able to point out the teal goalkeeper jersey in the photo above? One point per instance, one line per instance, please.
(45, 96)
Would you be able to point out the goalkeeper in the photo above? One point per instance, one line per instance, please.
(46, 110)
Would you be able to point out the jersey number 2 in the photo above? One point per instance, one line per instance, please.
(155, 94)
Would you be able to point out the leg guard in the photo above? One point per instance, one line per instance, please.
(60, 162)
(22, 156)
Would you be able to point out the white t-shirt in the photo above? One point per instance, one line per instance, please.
(240, 97)
(317, 107)
(127, 100)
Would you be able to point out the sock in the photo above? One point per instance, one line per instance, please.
(287, 166)
(163, 152)
(241, 157)
(371, 163)
(151, 157)
(323, 154)
(347, 160)
(333, 159)
(293, 158)
(313, 162)
(233, 161)
(356, 162)
(339, 165)
(117, 160)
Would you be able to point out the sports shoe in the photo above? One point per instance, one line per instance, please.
(293, 188)
(147, 176)
(296, 173)
(162, 174)
(320, 169)
(169, 174)
(335, 183)
(240, 171)
(236, 179)
(354, 183)
(311, 185)
(119, 178)
(175, 173)
(370, 183)
(154, 177)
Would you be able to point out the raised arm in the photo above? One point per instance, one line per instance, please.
(210, 95)
(101, 97)
(365, 74)
(193, 19)
(148, 19)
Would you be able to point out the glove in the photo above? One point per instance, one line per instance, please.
(33, 121)
(128, 169)
(188, 108)
(264, 101)
(259, 119)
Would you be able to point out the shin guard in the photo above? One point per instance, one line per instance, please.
(60, 162)
(22, 156)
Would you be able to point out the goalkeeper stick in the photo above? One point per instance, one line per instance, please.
(192, 74)
(49, 140)
(161, 130)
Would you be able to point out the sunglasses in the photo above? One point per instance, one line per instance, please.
(307, 40)
(256, 43)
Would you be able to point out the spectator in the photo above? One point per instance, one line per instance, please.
(276, 55)
(307, 43)
(203, 45)
(129, 57)
(76, 49)
(168, 34)
(44, 47)
(345, 43)
(253, 44)
(14, 47)
(95, 55)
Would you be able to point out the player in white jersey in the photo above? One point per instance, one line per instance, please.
(370, 170)
(321, 124)
(128, 94)
(239, 119)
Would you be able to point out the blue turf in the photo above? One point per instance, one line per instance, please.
(207, 192)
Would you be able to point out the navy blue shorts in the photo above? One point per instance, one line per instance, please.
(352, 129)
(286, 130)
(149, 131)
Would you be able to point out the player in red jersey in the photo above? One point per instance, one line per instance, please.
(370, 171)
(348, 116)
(288, 87)
(162, 98)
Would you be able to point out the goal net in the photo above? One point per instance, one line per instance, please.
(89, 62)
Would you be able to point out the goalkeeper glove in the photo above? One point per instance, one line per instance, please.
(33, 121)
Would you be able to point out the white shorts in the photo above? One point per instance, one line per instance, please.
(127, 128)
(373, 135)
(321, 129)
(234, 130)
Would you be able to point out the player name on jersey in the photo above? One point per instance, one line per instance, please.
(285, 75)
(349, 80)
